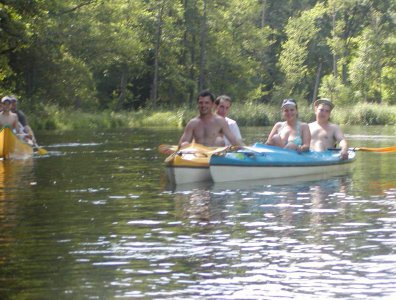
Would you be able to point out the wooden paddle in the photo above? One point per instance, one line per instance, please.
(40, 151)
(367, 149)
(382, 150)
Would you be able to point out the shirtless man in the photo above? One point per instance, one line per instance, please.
(325, 135)
(208, 126)
(223, 106)
(8, 118)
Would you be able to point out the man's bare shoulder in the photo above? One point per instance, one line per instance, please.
(219, 118)
(334, 126)
(194, 121)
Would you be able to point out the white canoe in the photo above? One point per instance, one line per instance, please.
(268, 162)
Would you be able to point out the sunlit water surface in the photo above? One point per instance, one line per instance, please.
(97, 219)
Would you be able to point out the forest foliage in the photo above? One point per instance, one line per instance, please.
(123, 55)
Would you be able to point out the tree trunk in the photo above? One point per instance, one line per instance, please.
(123, 84)
(189, 40)
(154, 86)
(263, 12)
(334, 33)
(192, 71)
(317, 81)
(378, 90)
(202, 58)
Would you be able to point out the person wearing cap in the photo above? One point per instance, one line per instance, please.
(290, 134)
(7, 117)
(325, 135)
(24, 126)
(223, 105)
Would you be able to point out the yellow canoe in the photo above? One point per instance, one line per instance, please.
(12, 147)
(190, 164)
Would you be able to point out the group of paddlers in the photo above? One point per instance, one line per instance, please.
(14, 118)
(213, 128)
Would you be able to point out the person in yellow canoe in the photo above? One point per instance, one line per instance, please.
(7, 117)
(325, 135)
(24, 127)
(207, 126)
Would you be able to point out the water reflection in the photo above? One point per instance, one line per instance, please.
(100, 222)
(12, 175)
(13, 172)
(286, 238)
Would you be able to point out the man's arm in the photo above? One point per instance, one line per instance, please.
(15, 123)
(188, 133)
(229, 135)
(235, 130)
(305, 138)
(339, 136)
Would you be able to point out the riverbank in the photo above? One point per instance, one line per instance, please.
(53, 118)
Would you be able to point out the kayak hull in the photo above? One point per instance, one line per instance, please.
(183, 175)
(12, 147)
(268, 162)
(190, 164)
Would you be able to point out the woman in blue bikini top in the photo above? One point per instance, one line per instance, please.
(290, 134)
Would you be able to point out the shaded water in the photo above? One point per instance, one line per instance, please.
(96, 219)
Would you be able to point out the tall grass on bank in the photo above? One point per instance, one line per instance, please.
(365, 114)
(54, 118)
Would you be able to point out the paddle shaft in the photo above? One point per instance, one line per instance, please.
(367, 149)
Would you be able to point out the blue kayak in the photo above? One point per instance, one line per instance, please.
(261, 161)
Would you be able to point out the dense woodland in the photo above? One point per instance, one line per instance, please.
(130, 54)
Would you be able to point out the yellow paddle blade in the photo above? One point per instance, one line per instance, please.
(42, 151)
(385, 149)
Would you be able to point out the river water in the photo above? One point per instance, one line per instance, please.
(97, 219)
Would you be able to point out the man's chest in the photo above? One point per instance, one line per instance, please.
(207, 129)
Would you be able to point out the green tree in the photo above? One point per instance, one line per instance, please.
(372, 57)
(300, 54)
